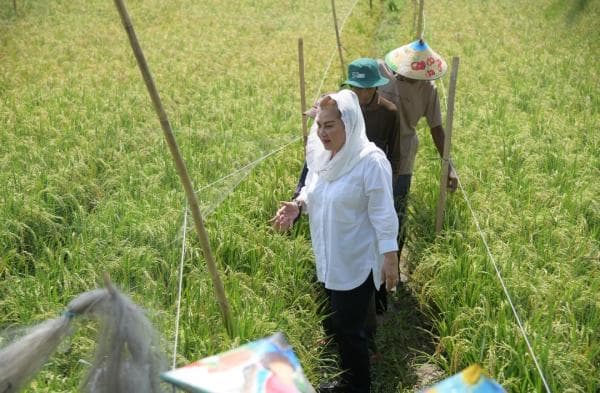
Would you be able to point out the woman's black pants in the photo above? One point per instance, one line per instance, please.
(346, 324)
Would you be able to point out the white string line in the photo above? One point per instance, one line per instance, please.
(183, 241)
(521, 328)
(443, 93)
(333, 52)
(324, 76)
(223, 195)
(250, 165)
(505, 289)
(183, 236)
(254, 163)
(496, 268)
(347, 16)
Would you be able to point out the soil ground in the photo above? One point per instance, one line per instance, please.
(405, 343)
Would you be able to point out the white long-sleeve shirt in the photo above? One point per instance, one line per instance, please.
(352, 222)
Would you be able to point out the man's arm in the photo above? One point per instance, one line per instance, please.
(394, 148)
(301, 181)
(438, 136)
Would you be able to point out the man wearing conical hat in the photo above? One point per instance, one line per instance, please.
(412, 69)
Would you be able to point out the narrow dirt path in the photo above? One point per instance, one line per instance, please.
(405, 341)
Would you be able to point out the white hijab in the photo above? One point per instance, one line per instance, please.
(354, 149)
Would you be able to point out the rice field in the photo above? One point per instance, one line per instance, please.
(88, 185)
(526, 147)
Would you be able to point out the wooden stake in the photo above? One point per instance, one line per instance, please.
(179, 164)
(15, 5)
(441, 207)
(302, 91)
(337, 36)
(415, 16)
(421, 17)
(108, 284)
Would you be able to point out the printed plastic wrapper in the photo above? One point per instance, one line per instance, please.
(268, 365)
(470, 380)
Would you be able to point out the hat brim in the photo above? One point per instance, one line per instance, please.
(416, 61)
(364, 85)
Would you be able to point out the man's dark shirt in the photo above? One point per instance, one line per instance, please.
(382, 126)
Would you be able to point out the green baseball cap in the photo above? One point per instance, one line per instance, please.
(364, 73)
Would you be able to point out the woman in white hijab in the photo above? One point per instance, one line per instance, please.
(353, 225)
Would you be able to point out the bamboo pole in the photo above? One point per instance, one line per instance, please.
(302, 91)
(179, 164)
(441, 207)
(421, 16)
(415, 16)
(337, 36)
(108, 284)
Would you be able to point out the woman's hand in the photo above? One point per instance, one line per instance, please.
(389, 272)
(285, 216)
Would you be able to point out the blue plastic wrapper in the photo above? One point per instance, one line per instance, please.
(470, 380)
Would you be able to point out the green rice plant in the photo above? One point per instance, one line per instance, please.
(88, 185)
(525, 149)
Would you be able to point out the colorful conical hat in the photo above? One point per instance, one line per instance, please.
(416, 61)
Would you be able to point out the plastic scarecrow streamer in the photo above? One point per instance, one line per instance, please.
(470, 380)
(263, 366)
(127, 358)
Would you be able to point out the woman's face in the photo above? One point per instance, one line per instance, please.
(330, 129)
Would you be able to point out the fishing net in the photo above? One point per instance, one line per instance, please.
(127, 358)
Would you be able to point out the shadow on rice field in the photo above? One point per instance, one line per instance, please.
(405, 341)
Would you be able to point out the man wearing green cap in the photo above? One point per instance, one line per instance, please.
(380, 114)
(382, 127)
